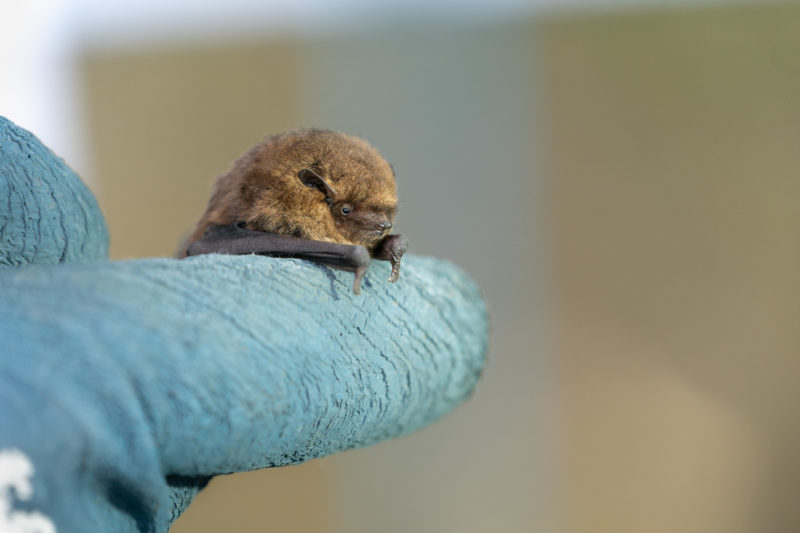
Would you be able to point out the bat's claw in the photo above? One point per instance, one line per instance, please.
(359, 275)
(392, 249)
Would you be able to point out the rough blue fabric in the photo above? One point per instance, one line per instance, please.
(47, 215)
(128, 384)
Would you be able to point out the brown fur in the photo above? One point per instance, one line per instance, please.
(263, 190)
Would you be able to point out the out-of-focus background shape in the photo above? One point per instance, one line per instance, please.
(622, 178)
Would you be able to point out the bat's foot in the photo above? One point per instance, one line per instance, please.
(395, 270)
(359, 275)
(392, 249)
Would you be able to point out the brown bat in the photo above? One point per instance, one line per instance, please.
(312, 194)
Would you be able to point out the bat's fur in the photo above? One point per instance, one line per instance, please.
(263, 190)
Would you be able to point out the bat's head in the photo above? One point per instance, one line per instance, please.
(321, 185)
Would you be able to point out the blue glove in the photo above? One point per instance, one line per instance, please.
(124, 386)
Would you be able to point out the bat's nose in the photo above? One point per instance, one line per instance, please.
(385, 225)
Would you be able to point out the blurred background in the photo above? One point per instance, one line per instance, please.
(620, 177)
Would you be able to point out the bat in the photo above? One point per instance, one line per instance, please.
(314, 194)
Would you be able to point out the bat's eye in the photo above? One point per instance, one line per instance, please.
(346, 209)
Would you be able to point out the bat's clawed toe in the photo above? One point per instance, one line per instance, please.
(392, 249)
(359, 275)
(359, 260)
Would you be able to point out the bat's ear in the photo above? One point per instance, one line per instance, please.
(315, 181)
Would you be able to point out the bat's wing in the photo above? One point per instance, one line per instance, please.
(236, 240)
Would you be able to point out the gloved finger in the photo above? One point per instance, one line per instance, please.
(219, 364)
(47, 215)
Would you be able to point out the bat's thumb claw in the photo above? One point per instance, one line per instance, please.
(357, 280)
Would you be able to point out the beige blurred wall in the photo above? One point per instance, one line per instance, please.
(165, 121)
(674, 173)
